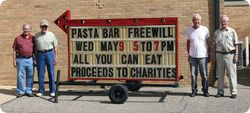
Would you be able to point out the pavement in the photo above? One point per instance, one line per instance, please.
(7, 93)
(147, 100)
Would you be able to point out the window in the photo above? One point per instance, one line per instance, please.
(236, 3)
(234, 0)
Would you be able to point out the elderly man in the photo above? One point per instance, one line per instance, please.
(225, 40)
(46, 52)
(23, 60)
(197, 38)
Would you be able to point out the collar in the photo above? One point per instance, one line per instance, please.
(44, 32)
(226, 29)
(197, 27)
(29, 36)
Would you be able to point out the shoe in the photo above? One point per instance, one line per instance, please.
(52, 94)
(30, 95)
(39, 94)
(206, 94)
(193, 94)
(219, 95)
(233, 96)
(19, 95)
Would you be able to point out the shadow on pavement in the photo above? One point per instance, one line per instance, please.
(243, 76)
(80, 94)
(8, 91)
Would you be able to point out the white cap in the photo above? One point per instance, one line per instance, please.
(44, 22)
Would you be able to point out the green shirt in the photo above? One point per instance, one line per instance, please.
(45, 41)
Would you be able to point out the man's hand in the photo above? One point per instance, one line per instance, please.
(14, 58)
(14, 63)
(55, 61)
(189, 58)
(35, 62)
(235, 58)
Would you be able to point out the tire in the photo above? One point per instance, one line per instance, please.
(118, 94)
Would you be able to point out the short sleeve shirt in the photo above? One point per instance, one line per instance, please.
(225, 40)
(24, 46)
(198, 41)
(45, 41)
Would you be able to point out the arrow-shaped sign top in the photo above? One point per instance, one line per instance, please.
(64, 21)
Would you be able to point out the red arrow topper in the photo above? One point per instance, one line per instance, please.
(64, 21)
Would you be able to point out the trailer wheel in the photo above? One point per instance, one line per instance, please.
(118, 94)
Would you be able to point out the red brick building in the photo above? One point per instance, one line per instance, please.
(14, 13)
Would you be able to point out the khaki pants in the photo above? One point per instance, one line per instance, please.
(224, 62)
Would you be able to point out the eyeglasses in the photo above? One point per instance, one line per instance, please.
(44, 26)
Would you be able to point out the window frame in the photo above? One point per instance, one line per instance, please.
(236, 3)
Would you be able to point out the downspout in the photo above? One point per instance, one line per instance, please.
(216, 14)
(216, 26)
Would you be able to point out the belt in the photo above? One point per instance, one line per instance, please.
(44, 51)
(230, 52)
(26, 57)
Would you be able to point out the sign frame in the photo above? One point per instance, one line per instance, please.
(64, 22)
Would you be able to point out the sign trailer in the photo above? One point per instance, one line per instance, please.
(131, 50)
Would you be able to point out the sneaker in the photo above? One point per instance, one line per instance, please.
(52, 94)
(19, 95)
(219, 95)
(206, 94)
(30, 95)
(233, 96)
(39, 94)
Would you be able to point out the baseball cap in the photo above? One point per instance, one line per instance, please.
(44, 22)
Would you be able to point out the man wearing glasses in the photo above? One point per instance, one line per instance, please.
(46, 54)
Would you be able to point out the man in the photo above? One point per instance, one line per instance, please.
(225, 40)
(23, 47)
(197, 38)
(46, 53)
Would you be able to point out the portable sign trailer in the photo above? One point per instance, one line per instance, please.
(132, 50)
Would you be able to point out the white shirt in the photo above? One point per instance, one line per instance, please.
(198, 41)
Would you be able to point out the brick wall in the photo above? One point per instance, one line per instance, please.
(16, 12)
(239, 20)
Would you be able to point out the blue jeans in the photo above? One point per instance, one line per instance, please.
(46, 59)
(200, 63)
(25, 67)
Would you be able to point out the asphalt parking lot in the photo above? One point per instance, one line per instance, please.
(147, 100)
